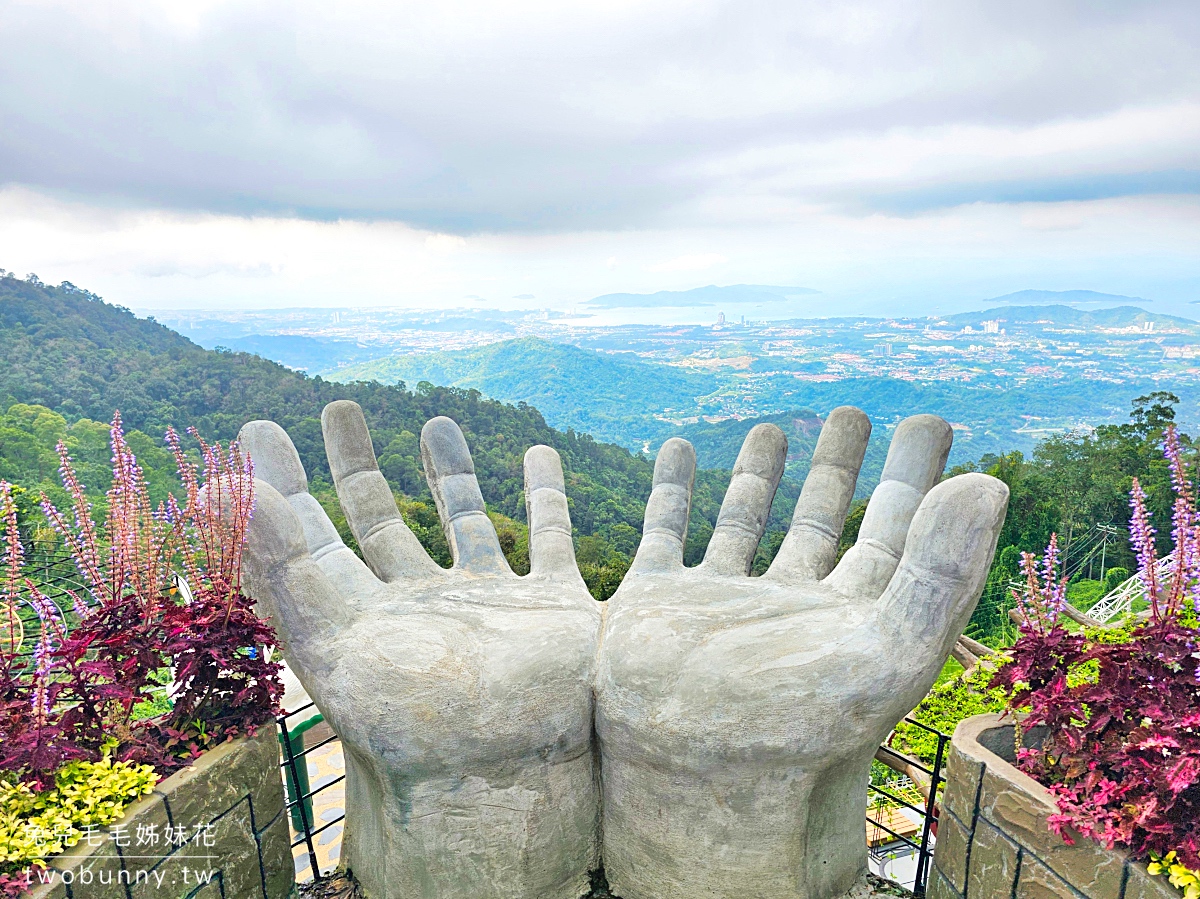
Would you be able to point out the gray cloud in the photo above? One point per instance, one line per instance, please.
(465, 119)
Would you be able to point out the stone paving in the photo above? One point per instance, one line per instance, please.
(325, 765)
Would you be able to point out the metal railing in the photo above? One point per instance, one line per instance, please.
(54, 574)
(1120, 600)
(294, 765)
(928, 813)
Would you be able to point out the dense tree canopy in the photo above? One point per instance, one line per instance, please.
(1074, 484)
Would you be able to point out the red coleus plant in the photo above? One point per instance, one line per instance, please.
(134, 628)
(1121, 708)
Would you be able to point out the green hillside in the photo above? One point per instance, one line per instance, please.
(600, 393)
(71, 359)
(717, 444)
(1112, 317)
(624, 399)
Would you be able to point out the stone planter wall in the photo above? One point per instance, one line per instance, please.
(993, 841)
(230, 801)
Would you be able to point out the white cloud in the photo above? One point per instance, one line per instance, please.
(261, 151)
(468, 116)
(154, 259)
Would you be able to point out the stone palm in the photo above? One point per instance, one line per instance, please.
(463, 697)
(737, 716)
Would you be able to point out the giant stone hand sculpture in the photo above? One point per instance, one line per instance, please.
(737, 716)
(464, 697)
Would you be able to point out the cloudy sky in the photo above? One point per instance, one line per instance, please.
(896, 156)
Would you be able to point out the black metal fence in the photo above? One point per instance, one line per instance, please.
(300, 794)
(928, 812)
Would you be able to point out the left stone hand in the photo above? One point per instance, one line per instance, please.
(463, 697)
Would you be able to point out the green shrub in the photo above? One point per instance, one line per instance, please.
(948, 703)
(37, 825)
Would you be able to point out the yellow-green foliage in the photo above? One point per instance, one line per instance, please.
(1187, 880)
(947, 704)
(35, 826)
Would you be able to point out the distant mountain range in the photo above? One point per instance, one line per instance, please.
(1036, 297)
(615, 397)
(597, 393)
(297, 351)
(725, 380)
(1115, 317)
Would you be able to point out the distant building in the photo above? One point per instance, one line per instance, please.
(991, 327)
(883, 349)
(720, 318)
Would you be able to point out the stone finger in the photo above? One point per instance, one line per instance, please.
(277, 462)
(747, 504)
(914, 464)
(288, 586)
(667, 509)
(942, 574)
(551, 548)
(451, 475)
(810, 548)
(390, 548)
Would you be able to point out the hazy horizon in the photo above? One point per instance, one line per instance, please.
(586, 315)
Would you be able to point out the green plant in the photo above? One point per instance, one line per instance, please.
(1122, 751)
(947, 704)
(35, 825)
(100, 668)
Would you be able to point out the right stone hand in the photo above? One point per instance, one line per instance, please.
(737, 716)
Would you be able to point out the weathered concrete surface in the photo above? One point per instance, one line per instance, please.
(735, 718)
(1009, 848)
(463, 698)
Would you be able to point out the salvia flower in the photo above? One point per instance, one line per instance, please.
(1044, 596)
(1121, 715)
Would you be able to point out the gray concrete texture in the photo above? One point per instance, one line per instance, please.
(716, 729)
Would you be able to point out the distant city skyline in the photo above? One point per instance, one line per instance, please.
(895, 158)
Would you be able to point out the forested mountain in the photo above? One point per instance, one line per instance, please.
(717, 444)
(79, 359)
(1053, 368)
(70, 359)
(599, 393)
(302, 353)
